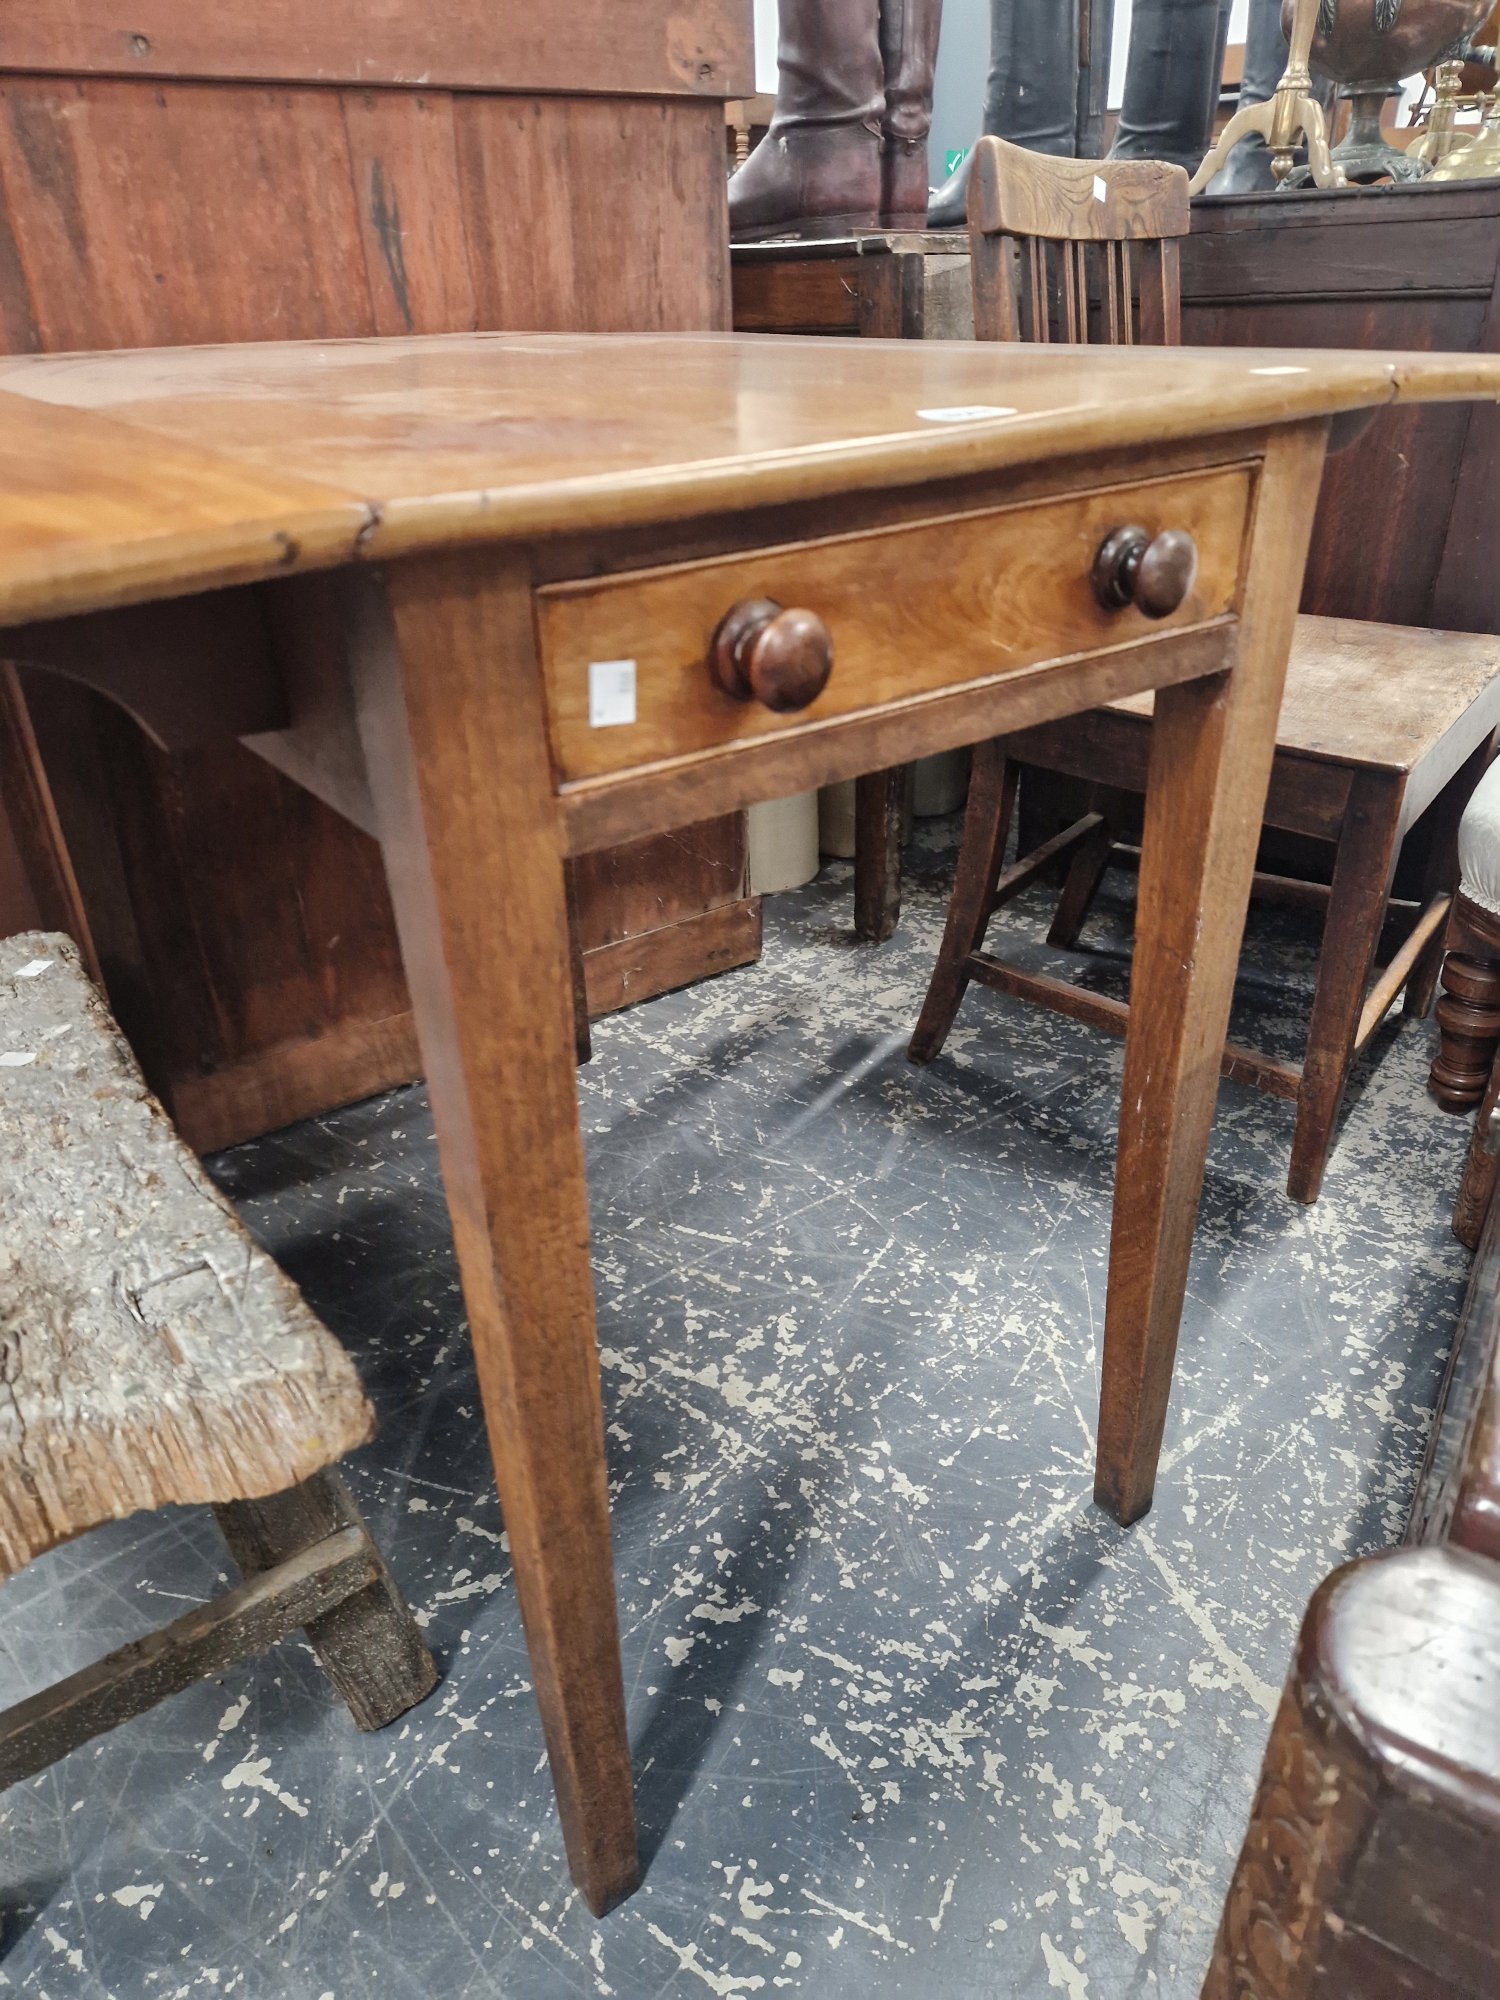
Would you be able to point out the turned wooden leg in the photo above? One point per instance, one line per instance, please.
(981, 853)
(448, 692)
(1212, 742)
(879, 811)
(1469, 1017)
(1369, 844)
(368, 1645)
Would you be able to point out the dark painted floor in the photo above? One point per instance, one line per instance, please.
(909, 1715)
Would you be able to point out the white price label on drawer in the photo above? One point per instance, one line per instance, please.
(611, 693)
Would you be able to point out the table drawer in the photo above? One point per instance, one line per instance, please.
(910, 609)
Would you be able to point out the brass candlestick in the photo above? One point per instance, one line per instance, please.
(1291, 114)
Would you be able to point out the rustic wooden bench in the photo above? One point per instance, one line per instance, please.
(151, 1352)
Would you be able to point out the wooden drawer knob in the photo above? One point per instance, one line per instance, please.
(779, 658)
(1152, 572)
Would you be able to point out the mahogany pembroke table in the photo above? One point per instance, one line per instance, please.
(473, 591)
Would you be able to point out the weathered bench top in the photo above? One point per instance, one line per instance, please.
(149, 1350)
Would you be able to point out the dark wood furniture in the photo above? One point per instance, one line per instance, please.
(155, 1354)
(887, 285)
(206, 174)
(1372, 1855)
(1378, 725)
(1373, 1850)
(882, 284)
(1408, 522)
(469, 528)
(1458, 1493)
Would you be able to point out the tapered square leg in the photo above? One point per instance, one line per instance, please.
(981, 853)
(879, 809)
(1369, 843)
(451, 715)
(1212, 742)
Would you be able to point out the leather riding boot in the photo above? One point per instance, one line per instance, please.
(1031, 97)
(817, 171)
(908, 48)
(1172, 80)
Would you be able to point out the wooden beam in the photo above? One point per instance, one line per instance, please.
(1113, 1016)
(1022, 873)
(191, 670)
(36, 1732)
(653, 48)
(1396, 974)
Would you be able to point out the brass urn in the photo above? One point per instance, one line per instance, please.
(1368, 46)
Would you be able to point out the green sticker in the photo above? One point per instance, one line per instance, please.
(953, 160)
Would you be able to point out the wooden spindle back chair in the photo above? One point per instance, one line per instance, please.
(1075, 251)
(1378, 723)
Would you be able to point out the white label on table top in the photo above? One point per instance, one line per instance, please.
(33, 968)
(1287, 369)
(1101, 192)
(611, 693)
(964, 413)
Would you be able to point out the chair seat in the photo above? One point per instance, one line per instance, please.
(152, 1351)
(1382, 696)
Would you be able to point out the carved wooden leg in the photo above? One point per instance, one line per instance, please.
(1212, 742)
(981, 853)
(1480, 1168)
(1357, 903)
(449, 696)
(368, 1645)
(879, 810)
(1469, 1012)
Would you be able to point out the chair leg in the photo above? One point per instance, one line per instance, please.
(981, 853)
(368, 1645)
(1468, 1016)
(1085, 873)
(1480, 1169)
(1357, 902)
(879, 809)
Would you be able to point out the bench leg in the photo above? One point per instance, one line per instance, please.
(1212, 742)
(981, 853)
(369, 1645)
(448, 692)
(303, 1590)
(879, 809)
(1357, 904)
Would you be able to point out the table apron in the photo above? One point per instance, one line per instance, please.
(676, 792)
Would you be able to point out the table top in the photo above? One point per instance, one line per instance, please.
(162, 471)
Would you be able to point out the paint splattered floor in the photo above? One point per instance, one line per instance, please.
(909, 1715)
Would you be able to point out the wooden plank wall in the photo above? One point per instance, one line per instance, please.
(1408, 523)
(242, 927)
